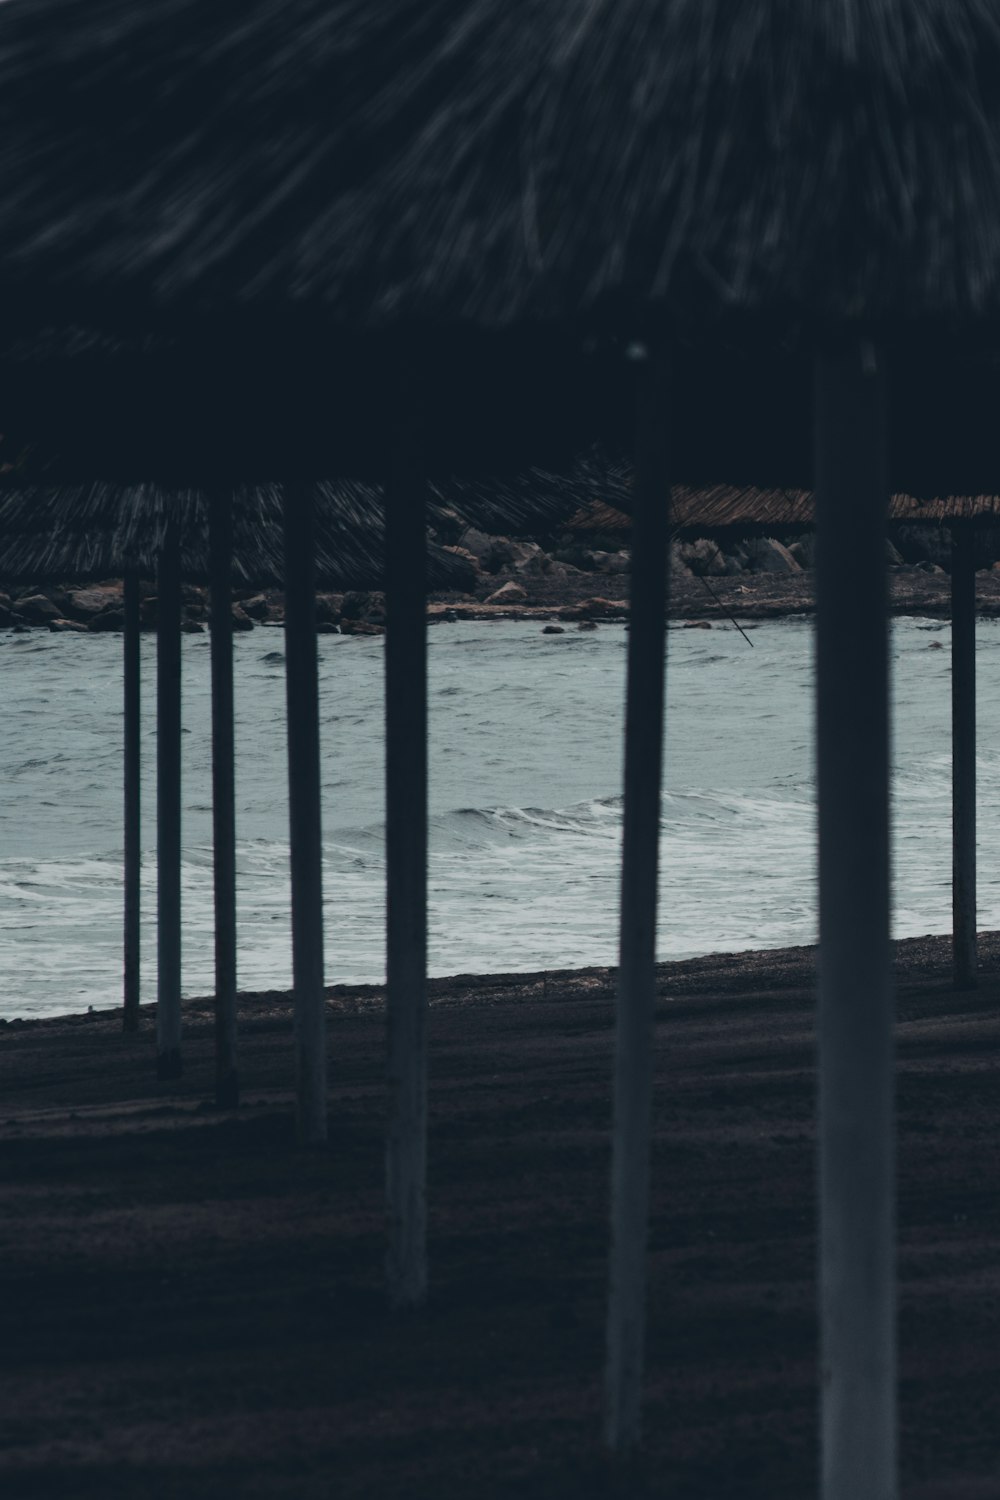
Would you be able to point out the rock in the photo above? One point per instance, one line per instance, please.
(604, 609)
(553, 630)
(581, 559)
(111, 619)
(766, 555)
(241, 620)
(195, 627)
(587, 625)
(803, 549)
(37, 609)
(358, 605)
(256, 607)
(892, 554)
(924, 567)
(328, 627)
(697, 625)
(85, 603)
(703, 558)
(520, 557)
(477, 544)
(934, 646)
(360, 627)
(509, 593)
(329, 608)
(470, 557)
(60, 626)
(733, 564)
(678, 566)
(611, 562)
(149, 612)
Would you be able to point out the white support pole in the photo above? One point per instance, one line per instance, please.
(637, 963)
(227, 1084)
(168, 806)
(856, 1124)
(406, 878)
(133, 809)
(963, 750)
(305, 834)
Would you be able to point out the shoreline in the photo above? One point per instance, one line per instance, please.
(558, 598)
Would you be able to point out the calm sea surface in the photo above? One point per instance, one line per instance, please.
(525, 801)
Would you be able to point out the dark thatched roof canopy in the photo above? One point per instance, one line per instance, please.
(497, 161)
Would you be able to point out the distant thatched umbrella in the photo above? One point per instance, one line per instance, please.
(99, 530)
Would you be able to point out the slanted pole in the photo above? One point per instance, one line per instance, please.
(637, 961)
(133, 851)
(406, 878)
(856, 1128)
(168, 806)
(963, 752)
(305, 837)
(227, 1084)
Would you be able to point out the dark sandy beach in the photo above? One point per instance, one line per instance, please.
(191, 1308)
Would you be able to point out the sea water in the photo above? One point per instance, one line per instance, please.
(525, 782)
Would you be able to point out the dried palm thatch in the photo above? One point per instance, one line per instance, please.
(98, 530)
(754, 510)
(498, 161)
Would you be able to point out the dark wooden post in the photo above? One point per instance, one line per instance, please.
(227, 1086)
(301, 680)
(406, 876)
(637, 962)
(856, 1133)
(963, 750)
(168, 806)
(133, 814)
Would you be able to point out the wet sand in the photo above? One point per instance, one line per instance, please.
(192, 1308)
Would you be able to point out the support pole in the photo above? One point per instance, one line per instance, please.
(963, 750)
(305, 837)
(406, 877)
(856, 1130)
(168, 806)
(133, 815)
(637, 962)
(227, 1085)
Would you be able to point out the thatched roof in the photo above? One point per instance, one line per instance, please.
(496, 160)
(94, 531)
(750, 509)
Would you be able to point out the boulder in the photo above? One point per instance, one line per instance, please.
(327, 627)
(611, 562)
(477, 544)
(256, 607)
(517, 557)
(329, 608)
(61, 626)
(195, 627)
(803, 549)
(149, 612)
(241, 620)
(85, 603)
(111, 619)
(508, 593)
(703, 558)
(678, 566)
(767, 555)
(470, 557)
(553, 630)
(697, 625)
(38, 609)
(603, 609)
(587, 625)
(358, 605)
(360, 627)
